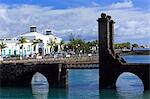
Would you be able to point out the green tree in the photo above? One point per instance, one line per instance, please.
(81, 46)
(95, 44)
(134, 46)
(127, 45)
(62, 43)
(78, 45)
(2, 46)
(73, 44)
(88, 47)
(122, 45)
(71, 37)
(142, 46)
(51, 44)
(21, 42)
(55, 47)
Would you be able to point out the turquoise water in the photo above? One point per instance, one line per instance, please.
(83, 84)
(137, 58)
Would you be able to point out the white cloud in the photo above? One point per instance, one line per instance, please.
(63, 21)
(125, 4)
(131, 24)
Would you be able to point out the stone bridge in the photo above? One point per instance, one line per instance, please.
(112, 65)
(20, 72)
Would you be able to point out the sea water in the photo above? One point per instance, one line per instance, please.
(84, 84)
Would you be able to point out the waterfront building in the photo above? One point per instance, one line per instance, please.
(28, 48)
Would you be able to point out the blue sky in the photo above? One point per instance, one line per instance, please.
(77, 17)
(63, 4)
(74, 3)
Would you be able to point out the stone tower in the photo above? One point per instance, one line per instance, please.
(109, 64)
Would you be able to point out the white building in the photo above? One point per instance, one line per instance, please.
(13, 48)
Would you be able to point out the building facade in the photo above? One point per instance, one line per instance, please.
(14, 48)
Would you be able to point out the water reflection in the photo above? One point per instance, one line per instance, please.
(40, 86)
(40, 91)
(84, 84)
(58, 93)
(129, 86)
(15, 93)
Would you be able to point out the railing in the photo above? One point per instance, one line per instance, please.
(67, 60)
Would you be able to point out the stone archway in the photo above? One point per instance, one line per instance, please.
(129, 84)
(127, 79)
(40, 86)
(39, 79)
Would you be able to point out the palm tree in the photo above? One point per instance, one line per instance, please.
(35, 42)
(94, 44)
(2, 46)
(72, 44)
(88, 47)
(21, 42)
(134, 46)
(77, 44)
(51, 44)
(62, 42)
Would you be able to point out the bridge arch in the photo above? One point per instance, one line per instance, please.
(129, 79)
(39, 79)
(111, 66)
(129, 85)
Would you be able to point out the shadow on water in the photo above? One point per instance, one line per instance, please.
(58, 94)
(15, 93)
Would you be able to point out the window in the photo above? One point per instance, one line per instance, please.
(28, 48)
(1, 39)
(24, 52)
(34, 48)
(8, 39)
(3, 52)
(9, 51)
(15, 52)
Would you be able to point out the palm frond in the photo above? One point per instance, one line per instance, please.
(3, 45)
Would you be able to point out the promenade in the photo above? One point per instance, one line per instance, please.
(70, 62)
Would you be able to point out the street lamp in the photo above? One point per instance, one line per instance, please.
(78, 45)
